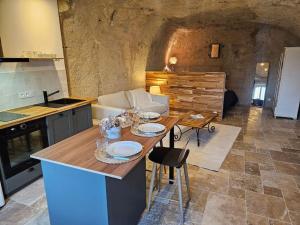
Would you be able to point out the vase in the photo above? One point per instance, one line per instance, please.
(113, 133)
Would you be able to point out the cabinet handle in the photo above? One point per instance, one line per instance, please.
(61, 114)
(73, 112)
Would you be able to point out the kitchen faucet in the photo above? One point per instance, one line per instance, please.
(46, 95)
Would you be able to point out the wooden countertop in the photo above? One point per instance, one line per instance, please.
(78, 151)
(36, 112)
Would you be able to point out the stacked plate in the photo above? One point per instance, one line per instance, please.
(150, 116)
(124, 149)
(151, 129)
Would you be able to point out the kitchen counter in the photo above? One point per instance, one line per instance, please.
(81, 190)
(36, 112)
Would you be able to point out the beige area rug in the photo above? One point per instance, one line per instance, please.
(213, 148)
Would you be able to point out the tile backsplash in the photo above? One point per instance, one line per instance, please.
(33, 77)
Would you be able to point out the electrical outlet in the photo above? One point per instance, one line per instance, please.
(28, 94)
(22, 94)
(25, 94)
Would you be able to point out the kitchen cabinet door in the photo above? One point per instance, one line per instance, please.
(82, 118)
(59, 126)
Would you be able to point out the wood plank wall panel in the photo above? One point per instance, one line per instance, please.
(198, 91)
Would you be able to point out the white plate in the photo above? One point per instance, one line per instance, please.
(124, 148)
(149, 115)
(151, 128)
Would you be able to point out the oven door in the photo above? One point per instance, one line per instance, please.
(18, 143)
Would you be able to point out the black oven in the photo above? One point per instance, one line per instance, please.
(17, 143)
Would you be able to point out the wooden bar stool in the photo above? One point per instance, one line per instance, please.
(172, 157)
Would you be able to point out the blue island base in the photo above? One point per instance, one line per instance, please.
(77, 197)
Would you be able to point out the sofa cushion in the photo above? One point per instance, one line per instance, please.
(154, 107)
(139, 98)
(118, 100)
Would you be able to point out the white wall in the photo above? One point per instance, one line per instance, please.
(35, 77)
(30, 25)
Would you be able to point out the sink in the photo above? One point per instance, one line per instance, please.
(65, 101)
(50, 105)
(60, 102)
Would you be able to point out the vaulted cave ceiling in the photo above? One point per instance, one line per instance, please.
(282, 13)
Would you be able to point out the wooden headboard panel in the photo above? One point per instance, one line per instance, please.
(198, 91)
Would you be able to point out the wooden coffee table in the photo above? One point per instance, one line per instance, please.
(185, 119)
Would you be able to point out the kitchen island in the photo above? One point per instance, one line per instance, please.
(81, 190)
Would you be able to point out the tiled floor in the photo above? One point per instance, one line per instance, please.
(258, 184)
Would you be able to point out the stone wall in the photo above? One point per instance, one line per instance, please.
(243, 46)
(106, 46)
(107, 42)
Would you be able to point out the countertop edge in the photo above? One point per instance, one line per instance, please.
(76, 167)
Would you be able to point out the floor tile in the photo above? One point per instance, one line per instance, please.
(245, 182)
(266, 205)
(285, 157)
(291, 150)
(15, 214)
(234, 163)
(297, 180)
(272, 191)
(287, 168)
(257, 157)
(253, 219)
(30, 194)
(276, 222)
(210, 181)
(222, 210)
(292, 199)
(237, 193)
(295, 218)
(252, 168)
(268, 144)
(275, 180)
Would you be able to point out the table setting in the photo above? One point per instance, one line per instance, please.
(112, 151)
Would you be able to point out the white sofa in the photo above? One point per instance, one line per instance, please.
(117, 103)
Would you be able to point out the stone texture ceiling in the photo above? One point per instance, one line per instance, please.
(107, 42)
(282, 13)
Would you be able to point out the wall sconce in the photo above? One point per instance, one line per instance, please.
(171, 66)
(214, 51)
(172, 62)
(155, 90)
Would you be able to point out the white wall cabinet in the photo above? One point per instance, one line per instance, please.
(30, 29)
(287, 94)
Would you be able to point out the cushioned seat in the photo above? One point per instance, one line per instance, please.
(174, 157)
(154, 107)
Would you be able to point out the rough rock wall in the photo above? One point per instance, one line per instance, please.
(107, 42)
(105, 46)
(244, 45)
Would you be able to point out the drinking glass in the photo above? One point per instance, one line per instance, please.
(101, 144)
(135, 122)
(102, 129)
